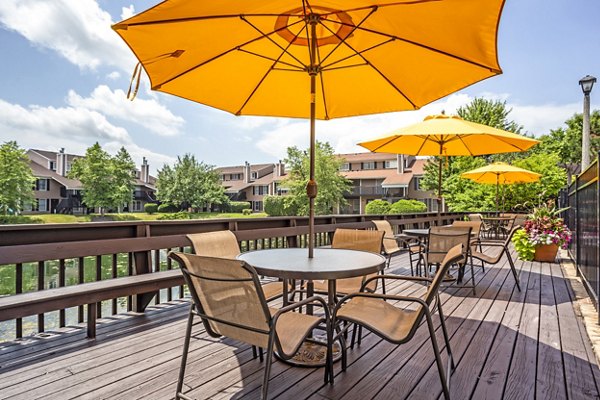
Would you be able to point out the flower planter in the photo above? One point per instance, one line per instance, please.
(545, 252)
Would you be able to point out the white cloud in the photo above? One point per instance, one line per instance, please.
(127, 12)
(78, 30)
(155, 160)
(113, 76)
(147, 113)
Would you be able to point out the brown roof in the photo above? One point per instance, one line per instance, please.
(418, 166)
(357, 157)
(42, 172)
(240, 168)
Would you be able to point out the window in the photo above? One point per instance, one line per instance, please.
(68, 167)
(257, 205)
(254, 175)
(260, 190)
(345, 167)
(52, 165)
(236, 177)
(42, 205)
(391, 164)
(368, 165)
(136, 205)
(42, 185)
(417, 181)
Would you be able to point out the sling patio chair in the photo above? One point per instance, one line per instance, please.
(229, 299)
(475, 232)
(391, 246)
(439, 241)
(224, 244)
(353, 239)
(397, 325)
(485, 229)
(495, 258)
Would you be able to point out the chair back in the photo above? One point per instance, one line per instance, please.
(227, 296)
(354, 239)
(442, 239)
(474, 225)
(390, 244)
(475, 217)
(455, 254)
(520, 219)
(222, 244)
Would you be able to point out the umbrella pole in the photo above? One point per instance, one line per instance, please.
(311, 187)
(439, 198)
(497, 204)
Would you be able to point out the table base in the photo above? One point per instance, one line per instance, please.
(313, 354)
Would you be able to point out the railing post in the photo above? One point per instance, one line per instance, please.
(577, 247)
(597, 234)
(142, 265)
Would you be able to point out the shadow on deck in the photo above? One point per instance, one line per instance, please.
(507, 344)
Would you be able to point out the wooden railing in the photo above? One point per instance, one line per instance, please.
(60, 258)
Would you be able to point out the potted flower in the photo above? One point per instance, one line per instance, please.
(541, 236)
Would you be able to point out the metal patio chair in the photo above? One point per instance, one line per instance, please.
(228, 297)
(390, 243)
(397, 325)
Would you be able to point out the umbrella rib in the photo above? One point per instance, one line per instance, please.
(358, 53)
(297, 68)
(373, 9)
(223, 53)
(344, 67)
(460, 137)
(125, 25)
(511, 144)
(239, 112)
(392, 84)
(433, 49)
(403, 3)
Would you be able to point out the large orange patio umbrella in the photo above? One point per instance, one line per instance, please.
(446, 135)
(500, 173)
(315, 59)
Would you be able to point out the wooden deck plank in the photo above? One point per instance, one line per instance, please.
(491, 379)
(579, 376)
(550, 382)
(520, 382)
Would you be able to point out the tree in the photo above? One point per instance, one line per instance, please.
(16, 178)
(107, 181)
(190, 183)
(331, 183)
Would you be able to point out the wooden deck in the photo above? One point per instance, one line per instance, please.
(507, 344)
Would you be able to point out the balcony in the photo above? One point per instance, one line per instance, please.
(367, 191)
(507, 344)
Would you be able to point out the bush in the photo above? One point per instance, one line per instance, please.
(277, 206)
(378, 207)
(238, 206)
(19, 219)
(150, 208)
(246, 211)
(173, 216)
(407, 207)
(167, 208)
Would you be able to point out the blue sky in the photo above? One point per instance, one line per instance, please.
(64, 74)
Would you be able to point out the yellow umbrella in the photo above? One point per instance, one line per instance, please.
(318, 59)
(445, 135)
(500, 173)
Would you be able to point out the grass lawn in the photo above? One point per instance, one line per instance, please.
(69, 219)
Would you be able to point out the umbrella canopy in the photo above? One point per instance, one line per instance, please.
(500, 173)
(315, 59)
(446, 135)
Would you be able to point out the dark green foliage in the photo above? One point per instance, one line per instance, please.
(238, 206)
(247, 211)
(167, 208)
(16, 178)
(19, 219)
(378, 207)
(174, 216)
(407, 207)
(150, 208)
(276, 206)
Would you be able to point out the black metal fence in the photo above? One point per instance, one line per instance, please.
(583, 218)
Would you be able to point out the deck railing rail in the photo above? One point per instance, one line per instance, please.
(41, 257)
(583, 218)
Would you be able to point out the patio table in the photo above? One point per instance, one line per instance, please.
(327, 264)
(497, 224)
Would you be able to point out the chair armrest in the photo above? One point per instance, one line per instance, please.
(493, 244)
(394, 277)
(379, 296)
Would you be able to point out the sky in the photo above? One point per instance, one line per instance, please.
(64, 76)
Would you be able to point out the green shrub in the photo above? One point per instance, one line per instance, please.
(378, 207)
(523, 246)
(407, 207)
(19, 219)
(246, 211)
(277, 206)
(167, 208)
(173, 216)
(150, 208)
(238, 206)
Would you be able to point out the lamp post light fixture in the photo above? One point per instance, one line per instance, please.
(587, 83)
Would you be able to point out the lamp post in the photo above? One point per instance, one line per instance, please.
(587, 82)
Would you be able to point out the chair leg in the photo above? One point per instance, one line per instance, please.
(473, 275)
(438, 358)
(267, 373)
(445, 332)
(329, 355)
(514, 270)
(186, 346)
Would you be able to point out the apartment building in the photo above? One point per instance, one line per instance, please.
(55, 193)
(374, 176)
